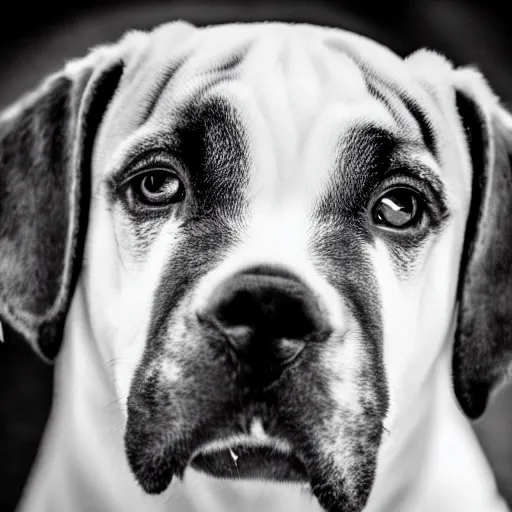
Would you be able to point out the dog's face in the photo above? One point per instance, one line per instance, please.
(275, 232)
(270, 249)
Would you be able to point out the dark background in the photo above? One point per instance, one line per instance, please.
(37, 39)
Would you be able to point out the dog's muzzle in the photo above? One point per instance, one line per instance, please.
(254, 397)
(267, 316)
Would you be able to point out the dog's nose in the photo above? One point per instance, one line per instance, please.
(268, 315)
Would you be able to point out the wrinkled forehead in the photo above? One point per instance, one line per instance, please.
(291, 86)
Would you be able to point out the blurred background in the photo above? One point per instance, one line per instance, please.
(37, 38)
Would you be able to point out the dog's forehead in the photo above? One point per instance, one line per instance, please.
(301, 64)
(298, 80)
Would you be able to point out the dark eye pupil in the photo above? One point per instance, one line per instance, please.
(397, 208)
(160, 188)
(154, 182)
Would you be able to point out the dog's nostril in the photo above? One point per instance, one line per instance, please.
(268, 305)
(268, 319)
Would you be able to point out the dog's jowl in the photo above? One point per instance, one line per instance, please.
(271, 260)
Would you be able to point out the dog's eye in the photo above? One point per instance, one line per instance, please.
(399, 208)
(158, 187)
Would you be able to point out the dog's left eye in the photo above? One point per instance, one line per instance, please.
(398, 208)
(158, 187)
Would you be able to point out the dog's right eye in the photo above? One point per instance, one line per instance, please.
(157, 188)
(399, 208)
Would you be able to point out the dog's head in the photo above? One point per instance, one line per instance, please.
(285, 226)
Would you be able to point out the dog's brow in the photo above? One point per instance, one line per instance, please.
(419, 163)
(396, 101)
(380, 150)
(154, 143)
(367, 155)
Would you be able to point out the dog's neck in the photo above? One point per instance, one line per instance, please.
(431, 461)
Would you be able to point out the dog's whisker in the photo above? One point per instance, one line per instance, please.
(116, 401)
(119, 360)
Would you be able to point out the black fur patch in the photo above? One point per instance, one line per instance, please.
(39, 257)
(364, 156)
(210, 142)
(483, 340)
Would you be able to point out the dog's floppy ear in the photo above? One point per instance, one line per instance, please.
(483, 340)
(45, 151)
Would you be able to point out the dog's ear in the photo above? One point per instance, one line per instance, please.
(483, 340)
(46, 142)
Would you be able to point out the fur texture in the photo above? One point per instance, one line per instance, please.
(286, 141)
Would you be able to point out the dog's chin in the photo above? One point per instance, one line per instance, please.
(251, 462)
(235, 460)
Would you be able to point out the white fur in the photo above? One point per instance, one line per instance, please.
(429, 458)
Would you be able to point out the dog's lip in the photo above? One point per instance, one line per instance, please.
(246, 458)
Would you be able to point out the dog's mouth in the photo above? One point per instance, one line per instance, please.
(157, 458)
(226, 425)
(249, 461)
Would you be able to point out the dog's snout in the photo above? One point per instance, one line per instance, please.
(267, 315)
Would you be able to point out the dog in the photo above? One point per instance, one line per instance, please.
(272, 264)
